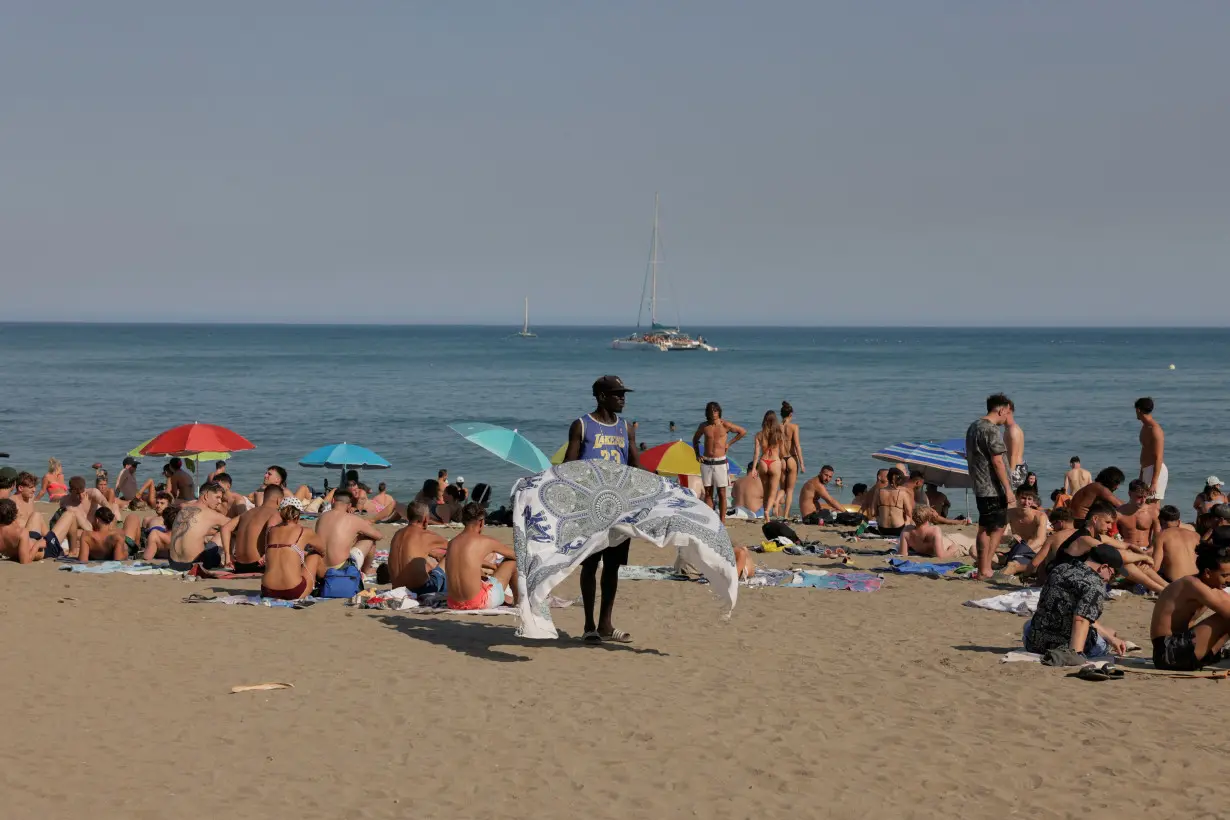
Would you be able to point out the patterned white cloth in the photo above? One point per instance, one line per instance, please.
(571, 511)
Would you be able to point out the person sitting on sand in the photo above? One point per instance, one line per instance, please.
(180, 483)
(938, 500)
(748, 493)
(201, 534)
(1181, 643)
(924, 537)
(1059, 500)
(18, 543)
(104, 543)
(345, 536)
(1137, 520)
(1070, 607)
(1029, 529)
(1174, 546)
(383, 507)
(416, 553)
(292, 559)
(1137, 567)
(470, 586)
(138, 528)
(1061, 530)
(126, 487)
(815, 496)
(53, 483)
(894, 505)
(867, 501)
(1101, 489)
(252, 528)
(219, 468)
(8, 481)
(450, 510)
(233, 503)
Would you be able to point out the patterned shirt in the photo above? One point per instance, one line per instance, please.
(982, 441)
(1071, 589)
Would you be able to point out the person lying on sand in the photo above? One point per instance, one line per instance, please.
(1174, 546)
(1070, 606)
(251, 531)
(416, 553)
(924, 537)
(292, 557)
(1029, 529)
(201, 534)
(469, 585)
(1180, 643)
(1137, 567)
(345, 535)
(137, 528)
(104, 543)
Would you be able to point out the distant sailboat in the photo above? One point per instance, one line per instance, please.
(525, 326)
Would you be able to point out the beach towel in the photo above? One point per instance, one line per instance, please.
(908, 567)
(250, 600)
(632, 572)
(109, 567)
(199, 571)
(855, 581)
(571, 511)
(1021, 602)
(764, 577)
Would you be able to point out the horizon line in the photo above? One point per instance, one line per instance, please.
(620, 328)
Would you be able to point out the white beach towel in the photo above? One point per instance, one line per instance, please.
(571, 511)
(1020, 602)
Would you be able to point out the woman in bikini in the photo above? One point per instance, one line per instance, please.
(767, 459)
(53, 483)
(290, 571)
(894, 505)
(792, 458)
(1209, 498)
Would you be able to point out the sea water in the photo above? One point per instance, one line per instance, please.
(86, 393)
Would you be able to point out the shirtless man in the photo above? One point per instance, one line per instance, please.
(105, 542)
(749, 493)
(1137, 519)
(468, 586)
(1179, 642)
(938, 500)
(275, 476)
(815, 495)
(1101, 489)
(346, 536)
(1029, 528)
(1076, 477)
(139, 528)
(251, 527)
(1014, 440)
(1152, 443)
(233, 503)
(714, 472)
(16, 541)
(201, 534)
(1137, 567)
(1174, 547)
(180, 483)
(416, 553)
(924, 537)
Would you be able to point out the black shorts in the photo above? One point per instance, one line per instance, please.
(1177, 653)
(617, 554)
(992, 512)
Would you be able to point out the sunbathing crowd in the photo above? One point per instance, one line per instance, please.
(267, 532)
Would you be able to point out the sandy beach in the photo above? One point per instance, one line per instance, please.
(811, 703)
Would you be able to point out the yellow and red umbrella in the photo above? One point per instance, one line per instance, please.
(671, 458)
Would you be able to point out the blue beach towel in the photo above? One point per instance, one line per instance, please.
(108, 567)
(908, 567)
(855, 581)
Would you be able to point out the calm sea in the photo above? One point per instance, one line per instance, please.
(86, 393)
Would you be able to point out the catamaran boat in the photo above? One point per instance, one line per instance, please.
(525, 326)
(660, 338)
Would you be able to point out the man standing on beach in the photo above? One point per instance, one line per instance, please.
(1076, 477)
(603, 435)
(1014, 441)
(988, 470)
(714, 467)
(1152, 440)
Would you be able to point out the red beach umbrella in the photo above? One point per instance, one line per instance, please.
(191, 439)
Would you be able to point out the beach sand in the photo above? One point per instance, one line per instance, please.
(807, 703)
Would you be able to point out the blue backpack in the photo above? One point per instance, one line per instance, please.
(346, 582)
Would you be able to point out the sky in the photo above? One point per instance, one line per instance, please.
(871, 162)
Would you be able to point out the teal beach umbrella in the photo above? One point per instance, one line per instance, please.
(504, 443)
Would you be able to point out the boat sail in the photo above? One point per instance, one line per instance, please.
(525, 326)
(661, 338)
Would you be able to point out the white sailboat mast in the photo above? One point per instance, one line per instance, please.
(525, 328)
(653, 265)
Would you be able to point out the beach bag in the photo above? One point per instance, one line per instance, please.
(820, 517)
(849, 519)
(481, 494)
(776, 529)
(346, 582)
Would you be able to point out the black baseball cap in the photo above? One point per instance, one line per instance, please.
(610, 384)
(8, 473)
(130, 460)
(1106, 554)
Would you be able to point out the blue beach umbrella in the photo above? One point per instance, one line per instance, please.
(343, 457)
(946, 468)
(504, 443)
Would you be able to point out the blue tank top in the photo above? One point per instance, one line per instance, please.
(607, 442)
